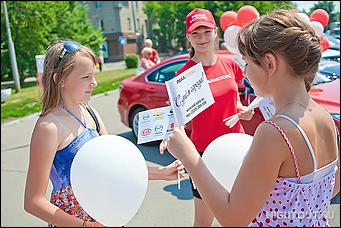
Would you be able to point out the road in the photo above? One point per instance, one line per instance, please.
(164, 205)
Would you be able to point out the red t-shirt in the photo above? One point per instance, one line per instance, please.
(152, 57)
(222, 77)
(147, 62)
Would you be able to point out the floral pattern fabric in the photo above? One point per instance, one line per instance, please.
(65, 199)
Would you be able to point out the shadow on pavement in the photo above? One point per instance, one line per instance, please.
(336, 199)
(185, 192)
(151, 152)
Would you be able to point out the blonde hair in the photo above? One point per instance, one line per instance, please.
(148, 43)
(285, 33)
(55, 69)
(146, 50)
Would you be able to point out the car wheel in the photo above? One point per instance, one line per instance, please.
(134, 120)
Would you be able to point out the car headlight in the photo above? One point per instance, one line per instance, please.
(335, 115)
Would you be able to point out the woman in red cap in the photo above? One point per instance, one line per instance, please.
(223, 74)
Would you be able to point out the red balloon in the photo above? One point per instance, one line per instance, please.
(321, 16)
(324, 42)
(294, 10)
(246, 14)
(227, 19)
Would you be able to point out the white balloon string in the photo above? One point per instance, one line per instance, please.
(178, 180)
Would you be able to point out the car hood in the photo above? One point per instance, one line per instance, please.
(327, 95)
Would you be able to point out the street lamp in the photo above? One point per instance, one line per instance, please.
(12, 52)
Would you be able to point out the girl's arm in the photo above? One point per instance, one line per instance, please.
(337, 178)
(44, 143)
(254, 181)
(169, 172)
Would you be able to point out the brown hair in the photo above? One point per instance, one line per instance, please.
(191, 49)
(285, 33)
(61, 68)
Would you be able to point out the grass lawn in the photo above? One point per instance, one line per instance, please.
(27, 101)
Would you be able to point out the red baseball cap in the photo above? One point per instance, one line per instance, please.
(199, 17)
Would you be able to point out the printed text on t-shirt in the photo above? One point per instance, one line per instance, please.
(223, 77)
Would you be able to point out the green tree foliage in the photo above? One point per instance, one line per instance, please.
(169, 17)
(329, 7)
(35, 24)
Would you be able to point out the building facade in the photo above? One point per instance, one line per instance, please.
(123, 23)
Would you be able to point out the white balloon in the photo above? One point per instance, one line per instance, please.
(230, 37)
(305, 17)
(239, 58)
(109, 178)
(224, 157)
(318, 28)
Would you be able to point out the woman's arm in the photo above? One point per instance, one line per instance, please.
(44, 143)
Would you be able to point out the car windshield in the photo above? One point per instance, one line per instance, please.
(320, 78)
(330, 68)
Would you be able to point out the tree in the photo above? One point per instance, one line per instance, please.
(169, 17)
(35, 24)
(329, 7)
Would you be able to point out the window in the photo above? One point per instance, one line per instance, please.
(124, 3)
(166, 72)
(138, 24)
(129, 24)
(98, 4)
(100, 24)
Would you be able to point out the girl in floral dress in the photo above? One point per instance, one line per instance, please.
(63, 127)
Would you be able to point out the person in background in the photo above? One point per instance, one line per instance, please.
(146, 61)
(100, 63)
(292, 169)
(100, 59)
(64, 126)
(155, 55)
(223, 74)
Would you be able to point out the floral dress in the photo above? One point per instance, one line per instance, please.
(62, 194)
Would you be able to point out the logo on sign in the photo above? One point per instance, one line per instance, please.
(158, 114)
(158, 128)
(145, 117)
(146, 132)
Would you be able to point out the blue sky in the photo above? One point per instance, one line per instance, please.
(308, 4)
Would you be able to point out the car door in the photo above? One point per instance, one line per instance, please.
(156, 88)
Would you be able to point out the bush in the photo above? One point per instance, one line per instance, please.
(132, 60)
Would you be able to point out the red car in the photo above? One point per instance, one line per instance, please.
(148, 91)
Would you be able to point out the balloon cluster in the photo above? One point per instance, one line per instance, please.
(318, 20)
(231, 22)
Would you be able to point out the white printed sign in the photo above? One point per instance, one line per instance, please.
(266, 106)
(155, 124)
(189, 94)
